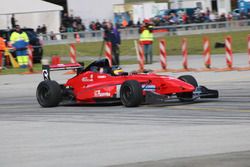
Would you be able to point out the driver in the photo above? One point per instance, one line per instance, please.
(116, 70)
(105, 70)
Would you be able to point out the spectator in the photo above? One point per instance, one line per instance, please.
(112, 35)
(74, 26)
(63, 30)
(81, 27)
(212, 17)
(78, 20)
(71, 19)
(13, 21)
(19, 40)
(223, 17)
(98, 25)
(92, 27)
(184, 18)
(52, 35)
(229, 16)
(65, 20)
(44, 29)
(208, 12)
(39, 30)
(130, 23)
(173, 19)
(138, 23)
(146, 39)
(124, 22)
(248, 15)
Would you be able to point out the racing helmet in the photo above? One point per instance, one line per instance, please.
(117, 70)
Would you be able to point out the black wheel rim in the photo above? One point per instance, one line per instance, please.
(127, 93)
(43, 94)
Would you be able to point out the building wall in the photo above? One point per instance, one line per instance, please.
(224, 6)
(189, 3)
(92, 10)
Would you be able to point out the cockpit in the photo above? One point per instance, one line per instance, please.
(102, 66)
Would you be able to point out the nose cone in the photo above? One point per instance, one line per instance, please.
(186, 87)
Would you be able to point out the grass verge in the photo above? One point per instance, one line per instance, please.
(195, 43)
(195, 46)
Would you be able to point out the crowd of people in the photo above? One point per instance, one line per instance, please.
(198, 16)
(72, 23)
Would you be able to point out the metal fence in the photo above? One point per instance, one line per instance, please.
(132, 33)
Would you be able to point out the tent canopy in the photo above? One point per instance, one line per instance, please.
(27, 6)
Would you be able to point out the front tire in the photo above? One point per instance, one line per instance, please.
(187, 96)
(131, 93)
(49, 93)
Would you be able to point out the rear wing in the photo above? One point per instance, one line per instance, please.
(71, 66)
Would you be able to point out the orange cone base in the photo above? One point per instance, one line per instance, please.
(243, 68)
(226, 69)
(187, 70)
(164, 70)
(70, 72)
(144, 71)
(207, 69)
(201, 70)
(31, 72)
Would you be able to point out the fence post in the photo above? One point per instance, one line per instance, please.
(207, 52)
(163, 54)
(30, 62)
(248, 45)
(229, 51)
(72, 53)
(184, 53)
(140, 55)
(108, 52)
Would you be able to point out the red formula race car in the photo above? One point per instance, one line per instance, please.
(99, 83)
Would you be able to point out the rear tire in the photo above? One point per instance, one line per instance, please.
(131, 93)
(187, 96)
(49, 93)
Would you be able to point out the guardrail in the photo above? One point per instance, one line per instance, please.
(132, 33)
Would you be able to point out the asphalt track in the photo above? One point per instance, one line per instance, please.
(206, 133)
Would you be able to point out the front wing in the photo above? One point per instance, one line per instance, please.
(200, 92)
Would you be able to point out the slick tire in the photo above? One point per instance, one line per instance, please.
(187, 96)
(131, 93)
(49, 93)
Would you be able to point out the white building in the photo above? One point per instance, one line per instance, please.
(90, 10)
(220, 6)
(30, 13)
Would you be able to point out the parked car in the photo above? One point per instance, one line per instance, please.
(165, 14)
(33, 40)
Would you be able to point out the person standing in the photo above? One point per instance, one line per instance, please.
(13, 21)
(20, 40)
(111, 34)
(146, 39)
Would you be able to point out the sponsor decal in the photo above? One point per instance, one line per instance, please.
(101, 76)
(118, 89)
(148, 87)
(45, 75)
(98, 93)
(88, 79)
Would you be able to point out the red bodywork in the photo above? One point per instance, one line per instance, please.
(91, 86)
